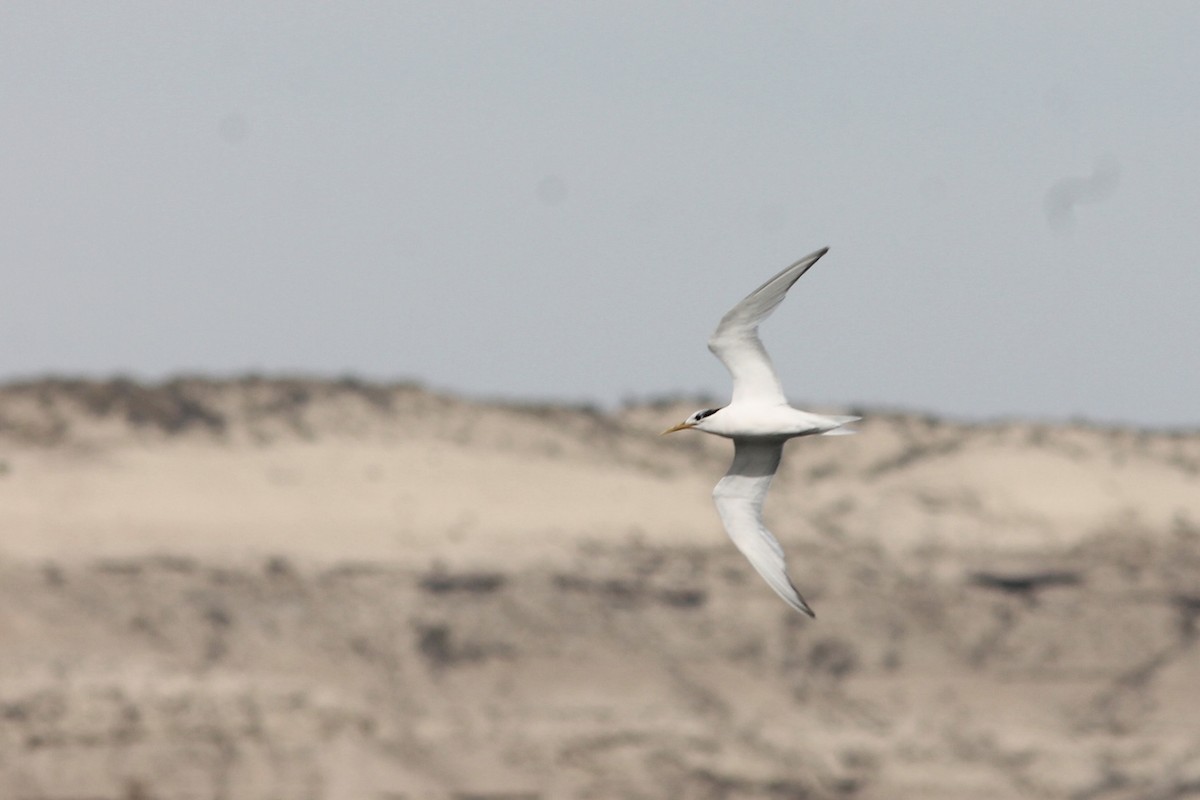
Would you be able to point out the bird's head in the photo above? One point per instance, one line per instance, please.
(696, 420)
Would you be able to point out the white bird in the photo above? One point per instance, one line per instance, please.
(759, 420)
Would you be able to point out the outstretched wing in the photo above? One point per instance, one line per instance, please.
(739, 497)
(736, 342)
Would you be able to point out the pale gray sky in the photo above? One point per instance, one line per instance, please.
(559, 200)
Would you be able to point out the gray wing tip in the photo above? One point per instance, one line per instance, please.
(814, 256)
(800, 605)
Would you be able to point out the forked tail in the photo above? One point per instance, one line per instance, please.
(838, 422)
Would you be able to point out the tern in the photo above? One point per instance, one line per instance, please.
(759, 420)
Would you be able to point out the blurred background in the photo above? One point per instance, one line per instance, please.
(339, 336)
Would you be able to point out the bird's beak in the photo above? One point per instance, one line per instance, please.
(683, 426)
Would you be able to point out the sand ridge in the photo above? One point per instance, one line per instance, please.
(331, 471)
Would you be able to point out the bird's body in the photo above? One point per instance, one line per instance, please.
(752, 420)
(759, 421)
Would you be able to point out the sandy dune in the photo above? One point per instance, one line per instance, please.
(330, 590)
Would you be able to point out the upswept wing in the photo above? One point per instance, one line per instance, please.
(736, 342)
(739, 498)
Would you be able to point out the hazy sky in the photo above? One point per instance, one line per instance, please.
(559, 200)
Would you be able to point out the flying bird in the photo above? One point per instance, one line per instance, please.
(759, 420)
